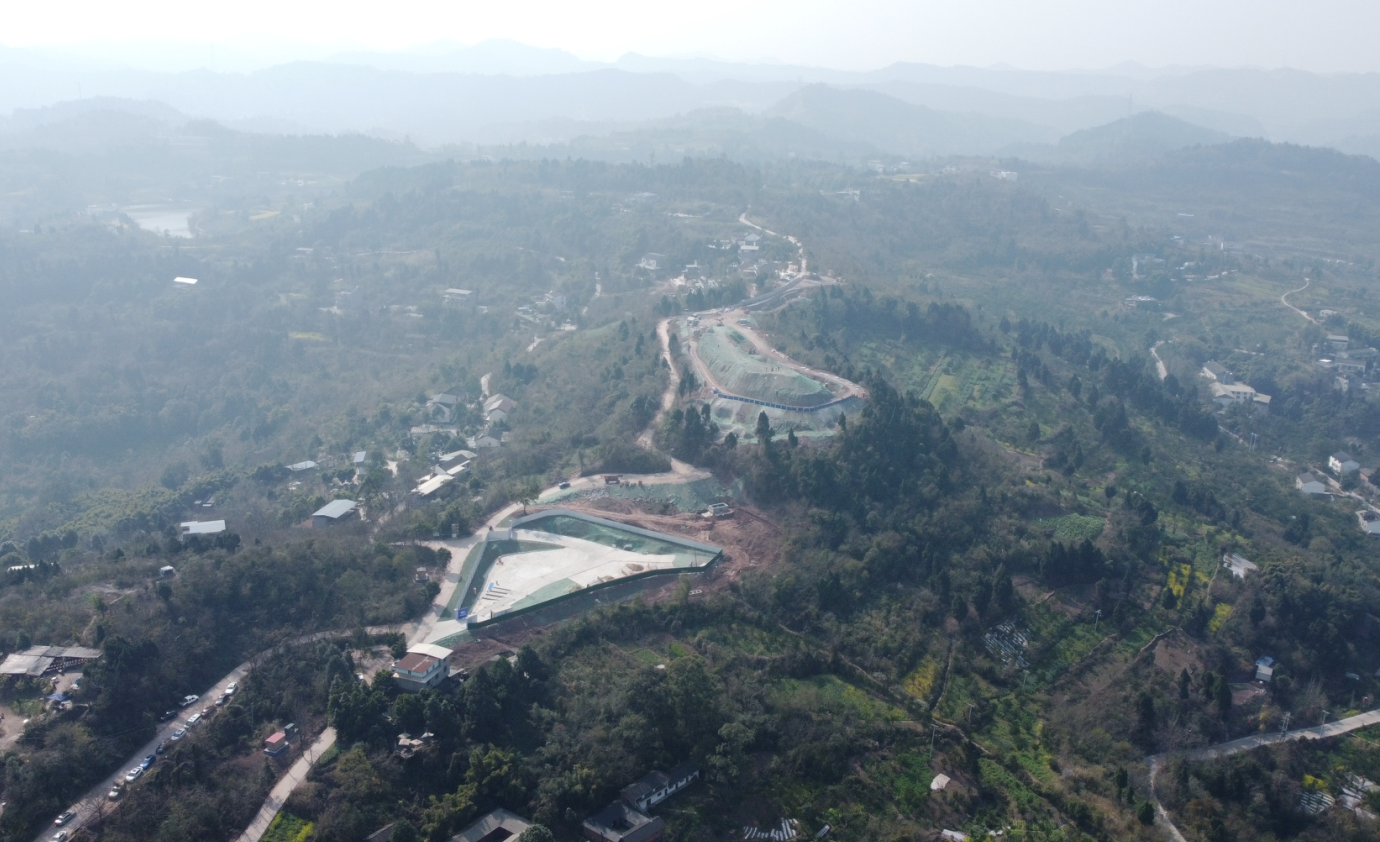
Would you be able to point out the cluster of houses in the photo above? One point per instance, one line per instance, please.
(1316, 485)
(1227, 391)
(626, 819)
(450, 466)
(1349, 363)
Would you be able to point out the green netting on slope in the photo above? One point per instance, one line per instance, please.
(752, 376)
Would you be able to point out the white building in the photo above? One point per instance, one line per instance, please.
(1227, 394)
(202, 527)
(1309, 484)
(498, 407)
(1214, 370)
(1342, 463)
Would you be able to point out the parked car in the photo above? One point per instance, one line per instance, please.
(161, 747)
(148, 761)
(60, 836)
(133, 774)
(193, 719)
(116, 790)
(231, 688)
(207, 711)
(167, 715)
(188, 701)
(178, 734)
(64, 818)
(222, 699)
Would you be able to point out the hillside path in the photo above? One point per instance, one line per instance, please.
(1283, 299)
(281, 790)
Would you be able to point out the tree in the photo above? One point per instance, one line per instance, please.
(410, 713)
(403, 831)
(982, 595)
(1003, 590)
(959, 608)
(764, 431)
(1145, 814)
(1223, 699)
(534, 833)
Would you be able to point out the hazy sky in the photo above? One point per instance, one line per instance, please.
(1324, 35)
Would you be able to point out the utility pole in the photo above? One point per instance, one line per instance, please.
(1284, 729)
(970, 714)
(1097, 619)
(1324, 721)
(934, 730)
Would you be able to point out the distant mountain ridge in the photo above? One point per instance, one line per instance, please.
(901, 128)
(449, 93)
(1130, 140)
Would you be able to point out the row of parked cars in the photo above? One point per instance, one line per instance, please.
(134, 774)
(137, 772)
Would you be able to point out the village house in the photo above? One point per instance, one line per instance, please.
(1309, 484)
(336, 511)
(498, 826)
(1214, 370)
(655, 787)
(498, 407)
(622, 822)
(424, 666)
(1342, 463)
(442, 407)
(1230, 394)
(201, 527)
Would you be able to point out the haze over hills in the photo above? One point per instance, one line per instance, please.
(501, 91)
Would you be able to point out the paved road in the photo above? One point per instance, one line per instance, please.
(1317, 732)
(281, 790)
(94, 803)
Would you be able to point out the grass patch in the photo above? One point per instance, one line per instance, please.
(288, 828)
(1074, 529)
(1219, 616)
(832, 696)
(920, 683)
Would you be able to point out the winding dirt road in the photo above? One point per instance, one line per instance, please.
(1283, 299)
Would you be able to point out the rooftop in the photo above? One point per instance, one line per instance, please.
(202, 527)
(495, 827)
(416, 662)
(624, 823)
(335, 509)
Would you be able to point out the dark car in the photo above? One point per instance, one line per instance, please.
(167, 715)
(161, 747)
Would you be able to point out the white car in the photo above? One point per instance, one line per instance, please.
(178, 734)
(193, 719)
(188, 701)
(133, 774)
(231, 688)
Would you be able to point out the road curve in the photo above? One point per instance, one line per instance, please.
(1283, 300)
(1317, 732)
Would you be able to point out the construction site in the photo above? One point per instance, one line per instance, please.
(555, 554)
(742, 375)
